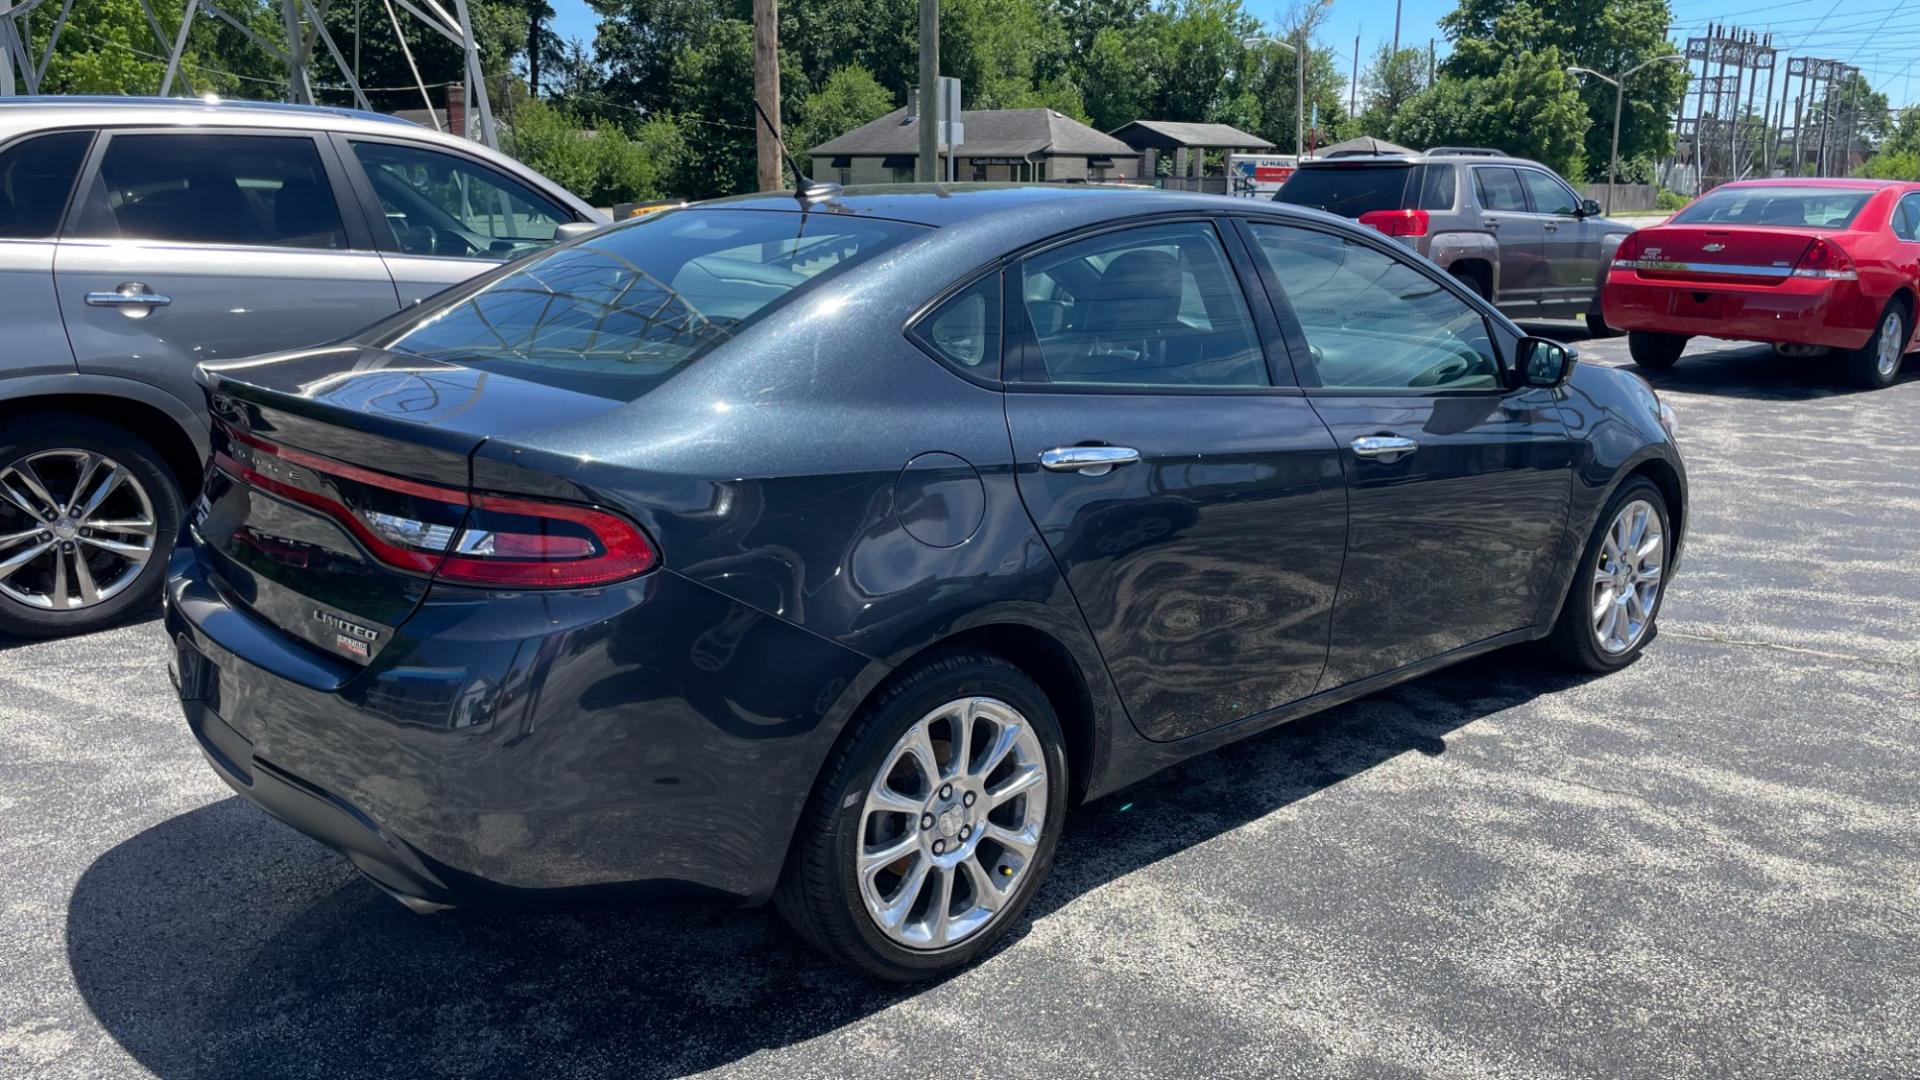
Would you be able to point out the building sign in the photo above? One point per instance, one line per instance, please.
(997, 161)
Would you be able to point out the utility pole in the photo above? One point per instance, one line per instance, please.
(1300, 94)
(927, 168)
(1396, 27)
(1352, 91)
(1433, 69)
(297, 90)
(356, 48)
(1619, 84)
(766, 92)
(6, 54)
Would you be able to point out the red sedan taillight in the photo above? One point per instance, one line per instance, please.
(1397, 222)
(460, 537)
(1627, 255)
(1824, 260)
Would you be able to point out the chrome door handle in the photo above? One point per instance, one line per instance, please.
(1490, 222)
(1087, 460)
(129, 294)
(1551, 226)
(1383, 446)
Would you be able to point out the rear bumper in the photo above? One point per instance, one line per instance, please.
(1795, 311)
(652, 739)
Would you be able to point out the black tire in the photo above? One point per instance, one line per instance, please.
(1472, 280)
(819, 893)
(144, 466)
(1655, 352)
(1574, 641)
(1862, 366)
(1597, 322)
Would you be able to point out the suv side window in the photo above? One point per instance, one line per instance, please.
(259, 190)
(1373, 321)
(1548, 195)
(1436, 187)
(1156, 305)
(443, 205)
(36, 176)
(1500, 189)
(1906, 217)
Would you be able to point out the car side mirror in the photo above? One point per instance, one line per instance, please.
(1589, 208)
(574, 230)
(1544, 363)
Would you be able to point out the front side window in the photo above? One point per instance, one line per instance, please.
(618, 313)
(1151, 306)
(1549, 196)
(1500, 190)
(1374, 322)
(257, 190)
(36, 176)
(444, 205)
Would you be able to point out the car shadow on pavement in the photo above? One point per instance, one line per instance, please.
(146, 613)
(221, 944)
(1753, 372)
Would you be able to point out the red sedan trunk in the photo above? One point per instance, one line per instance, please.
(1818, 264)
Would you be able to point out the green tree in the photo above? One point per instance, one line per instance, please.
(1528, 107)
(602, 165)
(1392, 80)
(850, 97)
(1605, 35)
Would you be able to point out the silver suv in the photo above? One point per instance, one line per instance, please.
(139, 237)
(1511, 229)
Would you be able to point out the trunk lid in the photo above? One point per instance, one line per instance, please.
(338, 470)
(1722, 253)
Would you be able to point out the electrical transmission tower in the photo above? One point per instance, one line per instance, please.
(1813, 116)
(1724, 139)
(302, 29)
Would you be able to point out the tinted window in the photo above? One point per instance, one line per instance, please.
(1790, 205)
(1549, 196)
(966, 329)
(36, 176)
(214, 189)
(444, 205)
(1349, 190)
(1152, 306)
(1436, 187)
(1500, 190)
(1906, 218)
(617, 314)
(1373, 321)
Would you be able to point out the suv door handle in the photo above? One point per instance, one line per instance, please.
(1087, 460)
(1387, 447)
(130, 294)
(1550, 226)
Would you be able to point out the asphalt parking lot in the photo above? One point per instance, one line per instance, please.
(1705, 865)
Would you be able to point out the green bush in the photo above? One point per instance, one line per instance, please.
(1669, 200)
(601, 165)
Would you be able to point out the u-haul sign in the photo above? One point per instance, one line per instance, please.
(1260, 175)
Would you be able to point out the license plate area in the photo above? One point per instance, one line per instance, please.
(1698, 305)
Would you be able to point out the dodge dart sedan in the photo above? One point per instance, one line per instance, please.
(826, 551)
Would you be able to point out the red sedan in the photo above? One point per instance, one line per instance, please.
(1809, 266)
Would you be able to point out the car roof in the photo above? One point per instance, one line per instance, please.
(1350, 160)
(939, 205)
(1816, 182)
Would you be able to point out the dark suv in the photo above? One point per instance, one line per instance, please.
(1512, 229)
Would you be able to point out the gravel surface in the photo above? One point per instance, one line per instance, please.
(1705, 865)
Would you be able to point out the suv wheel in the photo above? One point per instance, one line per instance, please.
(88, 515)
(1655, 352)
(933, 824)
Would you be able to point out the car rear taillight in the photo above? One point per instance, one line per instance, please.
(1627, 255)
(1397, 222)
(461, 537)
(1824, 260)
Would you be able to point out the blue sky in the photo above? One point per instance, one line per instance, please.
(1882, 37)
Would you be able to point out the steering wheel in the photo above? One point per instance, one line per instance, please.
(1446, 371)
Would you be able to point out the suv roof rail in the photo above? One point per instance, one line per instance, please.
(115, 101)
(1467, 151)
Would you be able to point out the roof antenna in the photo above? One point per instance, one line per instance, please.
(806, 188)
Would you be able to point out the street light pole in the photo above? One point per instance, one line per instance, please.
(1619, 84)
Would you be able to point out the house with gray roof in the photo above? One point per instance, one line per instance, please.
(998, 144)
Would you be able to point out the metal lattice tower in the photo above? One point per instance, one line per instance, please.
(303, 27)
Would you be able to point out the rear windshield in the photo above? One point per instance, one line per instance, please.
(617, 314)
(1809, 207)
(1352, 190)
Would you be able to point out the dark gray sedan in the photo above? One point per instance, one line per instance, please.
(826, 551)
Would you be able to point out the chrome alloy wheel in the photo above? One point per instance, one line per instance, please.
(1627, 577)
(952, 822)
(76, 528)
(1893, 345)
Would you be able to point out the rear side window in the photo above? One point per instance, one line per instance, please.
(618, 313)
(1350, 190)
(965, 330)
(1906, 218)
(1500, 190)
(1436, 187)
(258, 190)
(36, 176)
(1789, 205)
